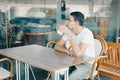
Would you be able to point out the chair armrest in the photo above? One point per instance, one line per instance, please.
(96, 65)
(11, 65)
(51, 42)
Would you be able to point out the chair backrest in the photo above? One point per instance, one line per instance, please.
(101, 52)
(51, 44)
(4, 74)
(100, 46)
(117, 39)
(113, 58)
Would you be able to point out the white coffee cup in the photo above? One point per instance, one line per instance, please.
(63, 24)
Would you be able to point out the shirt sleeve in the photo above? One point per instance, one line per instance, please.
(65, 37)
(86, 38)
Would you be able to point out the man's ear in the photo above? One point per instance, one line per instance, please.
(77, 22)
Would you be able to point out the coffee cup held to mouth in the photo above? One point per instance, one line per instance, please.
(61, 28)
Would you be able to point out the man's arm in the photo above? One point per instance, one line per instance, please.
(78, 49)
(60, 47)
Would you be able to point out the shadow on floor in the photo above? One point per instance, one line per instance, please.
(42, 75)
(105, 78)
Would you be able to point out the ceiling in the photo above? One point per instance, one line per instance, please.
(96, 2)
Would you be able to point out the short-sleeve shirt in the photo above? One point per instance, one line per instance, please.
(86, 36)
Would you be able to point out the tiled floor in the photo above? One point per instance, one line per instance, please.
(105, 78)
(42, 75)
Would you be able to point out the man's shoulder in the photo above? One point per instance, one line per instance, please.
(86, 30)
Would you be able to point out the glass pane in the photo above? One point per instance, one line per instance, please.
(101, 16)
(27, 16)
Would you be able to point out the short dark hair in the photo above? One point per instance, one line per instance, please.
(78, 16)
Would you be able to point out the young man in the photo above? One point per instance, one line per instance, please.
(81, 42)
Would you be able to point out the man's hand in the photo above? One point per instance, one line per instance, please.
(69, 52)
(65, 30)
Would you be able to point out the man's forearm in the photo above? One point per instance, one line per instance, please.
(75, 48)
(60, 48)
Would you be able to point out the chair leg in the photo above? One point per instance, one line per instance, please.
(98, 77)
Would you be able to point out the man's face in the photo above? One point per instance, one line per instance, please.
(71, 22)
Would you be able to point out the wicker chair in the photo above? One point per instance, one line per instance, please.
(101, 53)
(5, 74)
(51, 44)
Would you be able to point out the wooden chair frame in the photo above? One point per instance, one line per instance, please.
(111, 65)
(104, 45)
(117, 39)
(97, 63)
(11, 67)
(50, 42)
(96, 68)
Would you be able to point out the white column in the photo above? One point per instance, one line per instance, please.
(58, 11)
